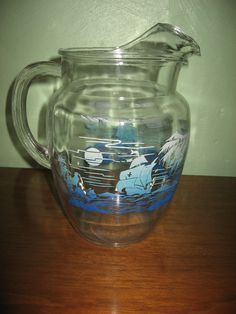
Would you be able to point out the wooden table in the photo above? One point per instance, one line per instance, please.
(186, 265)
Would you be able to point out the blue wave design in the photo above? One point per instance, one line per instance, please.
(109, 203)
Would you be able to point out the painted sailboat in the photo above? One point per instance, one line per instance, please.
(137, 180)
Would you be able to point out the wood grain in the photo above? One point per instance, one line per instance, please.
(186, 265)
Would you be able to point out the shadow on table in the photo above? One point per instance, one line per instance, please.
(36, 200)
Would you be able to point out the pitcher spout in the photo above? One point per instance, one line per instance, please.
(162, 42)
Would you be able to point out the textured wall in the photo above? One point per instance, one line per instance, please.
(34, 30)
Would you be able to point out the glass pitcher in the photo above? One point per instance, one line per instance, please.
(117, 132)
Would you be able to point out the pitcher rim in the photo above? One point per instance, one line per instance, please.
(163, 50)
(111, 53)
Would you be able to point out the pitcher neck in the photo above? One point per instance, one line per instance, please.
(168, 76)
(164, 74)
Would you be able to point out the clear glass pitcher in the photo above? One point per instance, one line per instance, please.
(117, 132)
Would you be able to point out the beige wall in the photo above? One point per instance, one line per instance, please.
(33, 30)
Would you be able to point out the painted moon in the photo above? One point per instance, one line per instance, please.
(93, 156)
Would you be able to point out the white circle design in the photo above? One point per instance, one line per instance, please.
(93, 156)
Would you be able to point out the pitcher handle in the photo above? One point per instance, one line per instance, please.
(19, 97)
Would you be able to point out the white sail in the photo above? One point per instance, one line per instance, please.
(138, 161)
(173, 150)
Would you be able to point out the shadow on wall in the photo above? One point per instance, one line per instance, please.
(41, 119)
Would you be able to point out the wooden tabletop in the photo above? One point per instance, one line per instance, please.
(186, 265)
